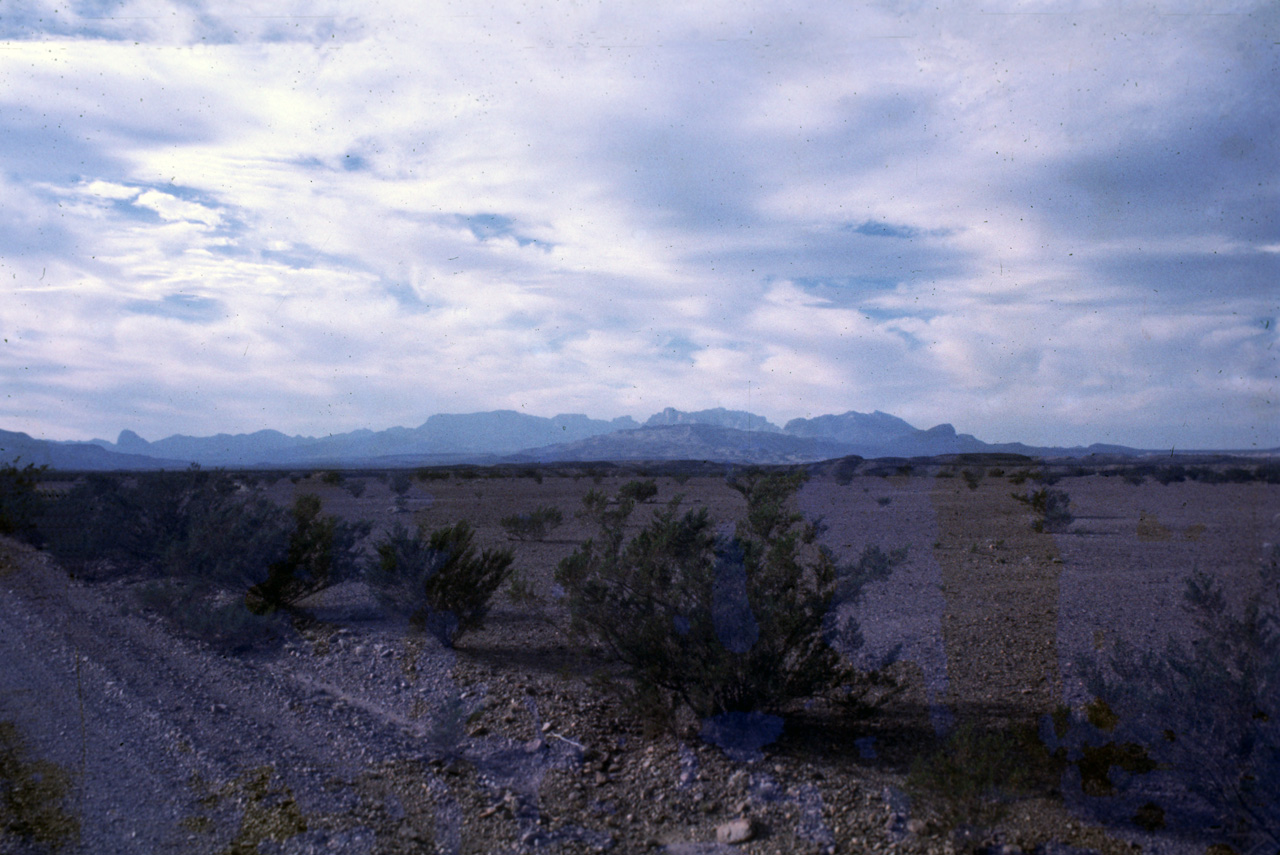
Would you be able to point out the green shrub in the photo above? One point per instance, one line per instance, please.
(718, 624)
(639, 491)
(845, 469)
(107, 524)
(355, 486)
(1052, 505)
(206, 544)
(20, 501)
(534, 525)
(333, 478)
(436, 578)
(227, 543)
(521, 591)
(1200, 723)
(322, 551)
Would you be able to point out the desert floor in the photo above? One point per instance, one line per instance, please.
(356, 734)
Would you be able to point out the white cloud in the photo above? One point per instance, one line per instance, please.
(174, 209)
(695, 175)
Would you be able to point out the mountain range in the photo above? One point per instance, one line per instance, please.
(500, 436)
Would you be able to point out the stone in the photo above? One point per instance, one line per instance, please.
(735, 831)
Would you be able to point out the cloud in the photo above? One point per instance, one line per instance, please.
(325, 220)
(173, 209)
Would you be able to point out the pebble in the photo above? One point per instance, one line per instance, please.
(735, 831)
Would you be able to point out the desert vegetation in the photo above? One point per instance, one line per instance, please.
(19, 500)
(718, 624)
(1195, 728)
(533, 525)
(710, 607)
(437, 579)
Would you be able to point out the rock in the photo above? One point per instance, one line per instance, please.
(916, 826)
(735, 831)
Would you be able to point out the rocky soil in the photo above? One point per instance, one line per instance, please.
(356, 735)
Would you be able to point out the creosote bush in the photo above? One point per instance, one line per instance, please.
(1054, 507)
(20, 500)
(437, 579)
(716, 623)
(321, 551)
(534, 525)
(110, 524)
(220, 562)
(639, 491)
(1196, 727)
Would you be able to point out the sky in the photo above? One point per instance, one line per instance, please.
(1045, 222)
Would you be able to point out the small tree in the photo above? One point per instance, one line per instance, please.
(719, 624)
(437, 579)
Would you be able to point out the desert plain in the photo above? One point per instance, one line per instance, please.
(352, 732)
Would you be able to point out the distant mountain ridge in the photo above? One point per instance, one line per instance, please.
(493, 433)
(719, 417)
(22, 449)
(718, 434)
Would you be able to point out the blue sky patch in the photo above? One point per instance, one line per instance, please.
(489, 226)
(873, 228)
(183, 307)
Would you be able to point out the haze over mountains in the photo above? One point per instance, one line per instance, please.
(507, 436)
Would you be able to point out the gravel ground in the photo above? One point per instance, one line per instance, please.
(356, 735)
